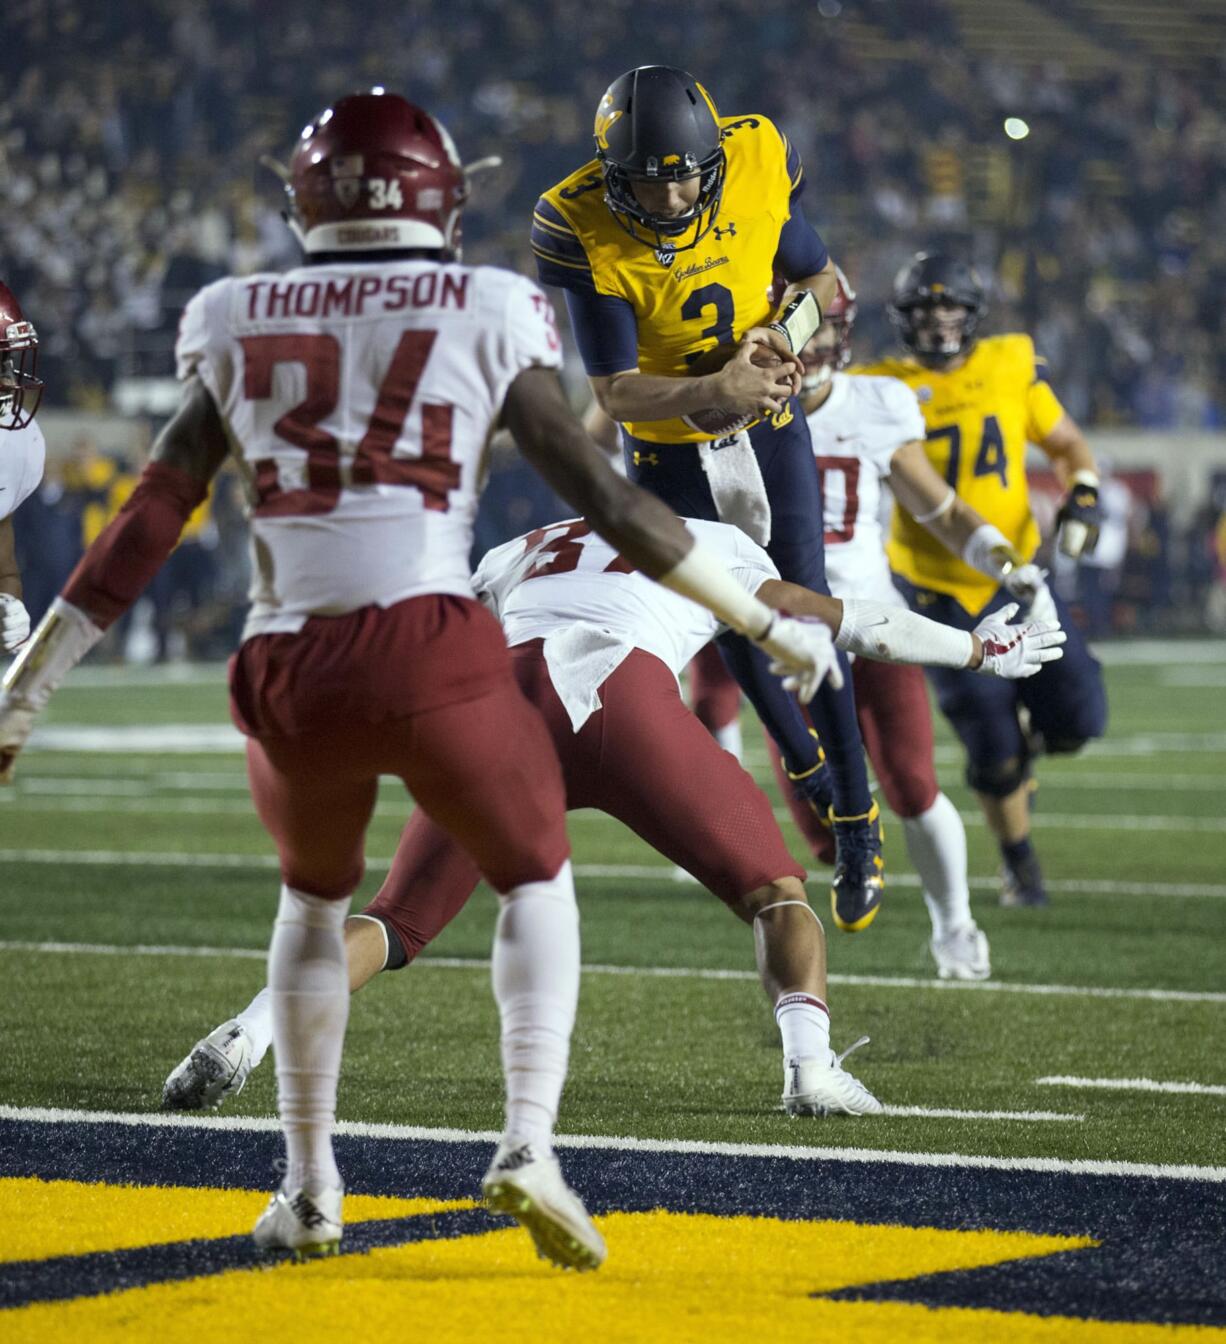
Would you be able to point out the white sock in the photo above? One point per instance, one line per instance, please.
(936, 842)
(256, 1021)
(536, 985)
(308, 982)
(729, 737)
(804, 1025)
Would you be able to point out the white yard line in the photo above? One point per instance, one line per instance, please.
(103, 800)
(943, 1113)
(195, 738)
(1135, 1085)
(795, 1152)
(428, 962)
(644, 872)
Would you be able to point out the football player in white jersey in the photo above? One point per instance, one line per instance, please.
(357, 394)
(867, 430)
(22, 455)
(598, 649)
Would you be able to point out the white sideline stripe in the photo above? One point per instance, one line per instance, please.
(235, 781)
(651, 872)
(943, 1113)
(649, 972)
(206, 738)
(1135, 1085)
(1160, 652)
(1122, 653)
(41, 800)
(796, 1152)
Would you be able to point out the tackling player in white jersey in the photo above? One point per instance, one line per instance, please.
(598, 649)
(357, 394)
(22, 455)
(867, 431)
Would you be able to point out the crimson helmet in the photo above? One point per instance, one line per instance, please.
(374, 172)
(20, 390)
(820, 357)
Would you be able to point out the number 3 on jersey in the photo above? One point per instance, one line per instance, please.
(433, 473)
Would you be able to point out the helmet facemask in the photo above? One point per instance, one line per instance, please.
(666, 233)
(936, 331)
(20, 389)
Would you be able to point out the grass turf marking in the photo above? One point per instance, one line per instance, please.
(655, 972)
(1134, 1085)
(650, 872)
(615, 1143)
(36, 801)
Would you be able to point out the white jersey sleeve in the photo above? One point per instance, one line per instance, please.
(200, 347)
(23, 454)
(863, 422)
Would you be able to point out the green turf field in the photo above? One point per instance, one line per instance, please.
(136, 896)
(106, 850)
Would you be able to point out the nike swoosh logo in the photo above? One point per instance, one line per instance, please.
(869, 625)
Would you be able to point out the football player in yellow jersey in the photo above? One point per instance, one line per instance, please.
(983, 402)
(667, 244)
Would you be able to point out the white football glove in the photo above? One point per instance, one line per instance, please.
(803, 654)
(14, 623)
(1028, 583)
(17, 717)
(1016, 651)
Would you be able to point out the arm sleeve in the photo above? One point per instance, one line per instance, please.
(1043, 408)
(606, 332)
(796, 171)
(134, 545)
(561, 259)
(801, 251)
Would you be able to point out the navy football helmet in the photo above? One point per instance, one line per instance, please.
(925, 286)
(658, 124)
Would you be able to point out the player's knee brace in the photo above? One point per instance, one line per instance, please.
(998, 779)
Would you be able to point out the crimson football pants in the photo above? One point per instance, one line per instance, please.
(423, 691)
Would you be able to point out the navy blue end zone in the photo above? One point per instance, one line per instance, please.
(1161, 1257)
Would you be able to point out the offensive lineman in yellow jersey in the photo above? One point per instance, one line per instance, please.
(667, 244)
(983, 402)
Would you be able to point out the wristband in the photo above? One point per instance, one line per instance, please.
(800, 318)
(1085, 477)
(701, 576)
(987, 549)
(64, 636)
(942, 508)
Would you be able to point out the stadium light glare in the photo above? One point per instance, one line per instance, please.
(1016, 128)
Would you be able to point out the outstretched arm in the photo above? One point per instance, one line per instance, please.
(115, 570)
(893, 634)
(645, 530)
(933, 503)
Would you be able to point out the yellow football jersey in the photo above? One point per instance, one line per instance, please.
(980, 418)
(688, 302)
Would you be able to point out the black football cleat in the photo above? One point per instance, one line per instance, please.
(859, 870)
(1021, 884)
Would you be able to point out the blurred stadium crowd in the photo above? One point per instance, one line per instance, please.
(130, 136)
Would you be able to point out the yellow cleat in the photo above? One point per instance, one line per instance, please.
(859, 871)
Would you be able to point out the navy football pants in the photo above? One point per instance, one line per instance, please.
(1066, 700)
(793, 486)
